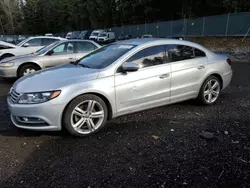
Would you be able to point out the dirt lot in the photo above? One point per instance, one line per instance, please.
(124, 154)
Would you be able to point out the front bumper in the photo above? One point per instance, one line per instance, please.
(10, 72)
(49, 113)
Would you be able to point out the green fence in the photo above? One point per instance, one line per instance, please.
(236, 24)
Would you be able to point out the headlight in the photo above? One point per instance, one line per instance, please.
(35, 98)
(7, 64)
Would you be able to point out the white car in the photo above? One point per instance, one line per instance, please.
(147, 36)
(6, 45)
(106, 37)
(94, 35)
(28, 46)
(68, 36)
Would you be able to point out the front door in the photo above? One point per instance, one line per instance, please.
(61, 54)
(147, 87)
(188, 66)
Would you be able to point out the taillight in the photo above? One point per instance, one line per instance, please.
(229, 61)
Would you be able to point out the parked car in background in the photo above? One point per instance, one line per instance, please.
(20, 38)
(85, 34)
(73, 35)
(94, 35)
(106, 37)
(115, 80)
(58, 53)
(28, 46)
(49, 34)
(68, 36)
(124, 37)
(147, 36)
(5, 45)
(2, 38)
(11, 39)
(8, 39)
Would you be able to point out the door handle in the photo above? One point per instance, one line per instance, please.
(201, 67)
(164, 76)
(71, 58)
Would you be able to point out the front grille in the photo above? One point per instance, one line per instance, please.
(14, 96)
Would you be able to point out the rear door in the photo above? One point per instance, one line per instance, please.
(82, 48)
(62, 54)
(188, 66)
(147, 87)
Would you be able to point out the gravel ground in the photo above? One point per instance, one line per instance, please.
(126, 154)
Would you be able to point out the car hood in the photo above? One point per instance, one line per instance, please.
(14, 58)
(54, 78)
(7, 44)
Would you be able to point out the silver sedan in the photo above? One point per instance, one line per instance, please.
(115, 80)
(58, 53)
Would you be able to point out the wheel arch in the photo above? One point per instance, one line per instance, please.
(9, 54)
(27, 63)
(217, 75)
(103, 97)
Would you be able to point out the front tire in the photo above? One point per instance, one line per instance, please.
(27, 70)
(85, 115)
(210, 91)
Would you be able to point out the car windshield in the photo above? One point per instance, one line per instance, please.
(105, 56)
(46, 48)
(103, 35)
(24, 41)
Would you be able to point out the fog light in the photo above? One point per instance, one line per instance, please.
(30, 120)
(25, 119)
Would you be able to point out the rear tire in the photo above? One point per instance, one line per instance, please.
(27, 69)
(210, 91)
(85, 115)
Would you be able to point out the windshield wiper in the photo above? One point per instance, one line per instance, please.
(86, 66)
(73, 62)
(77, 63)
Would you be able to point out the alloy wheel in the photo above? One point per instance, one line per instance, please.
(212, 91)
(87, 117)
(28, 71)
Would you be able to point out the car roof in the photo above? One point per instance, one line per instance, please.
(79, 40)
(162, 41)
(48, 37)
(142, 41)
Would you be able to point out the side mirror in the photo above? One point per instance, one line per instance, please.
(50, 52)
(129, 67)
(26, 45)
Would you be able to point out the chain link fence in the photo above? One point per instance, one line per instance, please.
(236, 24)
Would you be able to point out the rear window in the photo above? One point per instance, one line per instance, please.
(199, 53)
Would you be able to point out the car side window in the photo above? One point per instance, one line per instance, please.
(34, 42)
(47, 41)
(179, 53)
(149, 57)
(64, 48)
(84, 47)
(199, 53)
